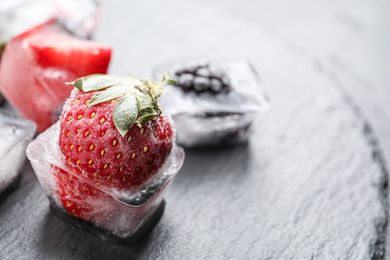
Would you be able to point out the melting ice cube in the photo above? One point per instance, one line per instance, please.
(211, 117)
(15, 134)
(36, 64)
(120, 213)
(79, 16)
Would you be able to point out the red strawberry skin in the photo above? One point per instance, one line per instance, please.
(87, 202)
(73, 190)
(90, 141)
(36, 64)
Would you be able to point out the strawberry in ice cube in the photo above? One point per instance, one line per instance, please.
(36, 64)
(107, 163)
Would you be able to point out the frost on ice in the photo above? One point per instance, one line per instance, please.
(204, 119)
(15, 134)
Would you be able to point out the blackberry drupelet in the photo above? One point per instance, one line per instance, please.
(202, 78)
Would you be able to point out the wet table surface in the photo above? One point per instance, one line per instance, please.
(311, 183)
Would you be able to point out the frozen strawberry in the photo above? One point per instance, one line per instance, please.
(80, 198)
(115, 135)
(36, 63)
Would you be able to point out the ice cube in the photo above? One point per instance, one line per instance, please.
(79, 16)
(120, 213)
(36, 64)
(209, 118)
(15, 134)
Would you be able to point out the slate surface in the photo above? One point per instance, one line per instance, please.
(310, 183)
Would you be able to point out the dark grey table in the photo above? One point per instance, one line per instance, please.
(311, 183)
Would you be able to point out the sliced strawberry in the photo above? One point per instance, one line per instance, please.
(36, 63)
(81, 57)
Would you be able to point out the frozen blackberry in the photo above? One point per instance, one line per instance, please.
(201, 78)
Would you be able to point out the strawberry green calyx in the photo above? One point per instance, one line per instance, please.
(3, 41)
(139, 103)
(2, 47)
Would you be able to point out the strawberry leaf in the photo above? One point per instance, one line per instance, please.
(145, 101)
(156, 91)
(133, 76)
(146, 115)
(167, 80)
(139, 104)
(98, 81)
(108, 94)
(125, 114)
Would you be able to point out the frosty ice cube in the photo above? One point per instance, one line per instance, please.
(118, 216)
(214, 102)
(15, 134)
(36, 64)
(79, 16)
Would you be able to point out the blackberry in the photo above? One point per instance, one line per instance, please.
(202, 78)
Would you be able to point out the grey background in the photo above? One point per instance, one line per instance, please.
(349, 38)
(307, 185)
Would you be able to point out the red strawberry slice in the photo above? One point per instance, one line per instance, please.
(78, 56)
(116, 134)
(36, 63)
